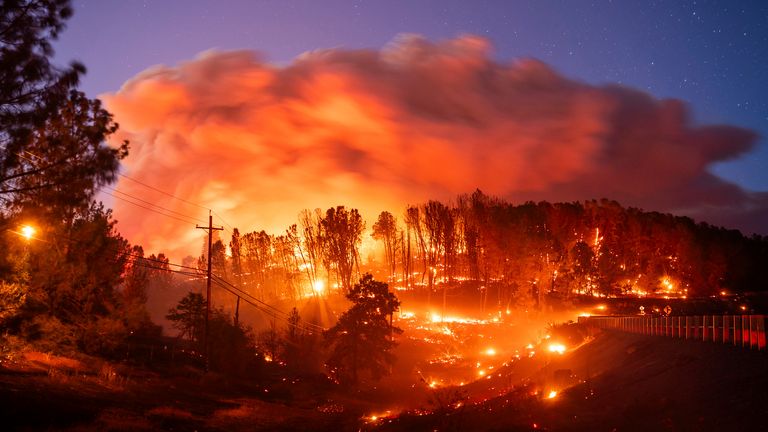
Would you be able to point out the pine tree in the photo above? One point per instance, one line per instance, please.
(362, 339)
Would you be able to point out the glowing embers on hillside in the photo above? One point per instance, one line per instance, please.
(555, 347)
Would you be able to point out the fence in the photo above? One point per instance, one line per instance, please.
(747, 331)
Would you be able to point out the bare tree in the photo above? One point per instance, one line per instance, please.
(342, 231)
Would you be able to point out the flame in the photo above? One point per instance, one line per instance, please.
(557, 348)
(318, 286)
(552, 394)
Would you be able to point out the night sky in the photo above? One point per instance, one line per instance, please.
(710, 55)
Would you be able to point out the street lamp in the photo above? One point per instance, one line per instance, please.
(28, 231)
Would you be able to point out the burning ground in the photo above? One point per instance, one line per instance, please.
(455, 372)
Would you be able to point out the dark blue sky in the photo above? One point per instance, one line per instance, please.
(707, 53)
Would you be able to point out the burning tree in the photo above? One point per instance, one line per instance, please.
(342, 232)
(363, 336)
(385, 229)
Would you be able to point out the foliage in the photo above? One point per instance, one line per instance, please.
(270, 343)
(52, 134)
(342, 231)
(363, 337)
(385, 229)
(188, 316)
(232, 348)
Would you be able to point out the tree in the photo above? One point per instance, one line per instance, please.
(342, 231)
(582, 259)
(189, 316)
(76, 278)
(52, 135)
(362, 338)
(385, 229)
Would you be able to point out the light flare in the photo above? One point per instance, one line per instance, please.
(557, 348)
(28, 231)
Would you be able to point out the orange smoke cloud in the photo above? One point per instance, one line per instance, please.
(416, 120)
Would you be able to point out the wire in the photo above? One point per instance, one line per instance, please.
(139, 260)
(271, 309)
(148, 208)
(179, 198)
(153, 204)
(164, 192)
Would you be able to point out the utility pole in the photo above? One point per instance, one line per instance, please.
(210, 228)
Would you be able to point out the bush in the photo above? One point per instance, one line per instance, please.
(103, 336)
(48, 334)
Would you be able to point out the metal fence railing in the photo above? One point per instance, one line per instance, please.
(747, 331)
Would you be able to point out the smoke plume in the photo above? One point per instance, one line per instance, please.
(416, 120)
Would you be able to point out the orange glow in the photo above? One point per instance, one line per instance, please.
(552, 394)
(490, 352)
(28, 231)
(318, 286)
(557, 348)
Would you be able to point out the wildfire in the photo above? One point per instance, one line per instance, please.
(318, 286)
(373, 418)
(557, 348)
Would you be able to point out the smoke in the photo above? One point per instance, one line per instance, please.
(416, 120)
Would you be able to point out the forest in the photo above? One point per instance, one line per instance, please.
(521, 253)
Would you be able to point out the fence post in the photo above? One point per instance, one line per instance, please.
(717, 335)
(745, 341)
(726, 328)
(705, 327)
(760, 332)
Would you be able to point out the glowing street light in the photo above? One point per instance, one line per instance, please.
(28, 231)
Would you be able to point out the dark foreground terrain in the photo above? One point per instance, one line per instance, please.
(615, 381)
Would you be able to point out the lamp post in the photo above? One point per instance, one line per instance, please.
(27, 231)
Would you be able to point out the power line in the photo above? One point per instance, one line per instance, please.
(141, 261)
(179, 198)
(148, 208)
(274, 313)
(273, 310)
(164, 192)
(151, 204)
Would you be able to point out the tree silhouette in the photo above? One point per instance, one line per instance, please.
(342, 232)
(189, 316)
(52, 136)
(385, 229)
(363, 337)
